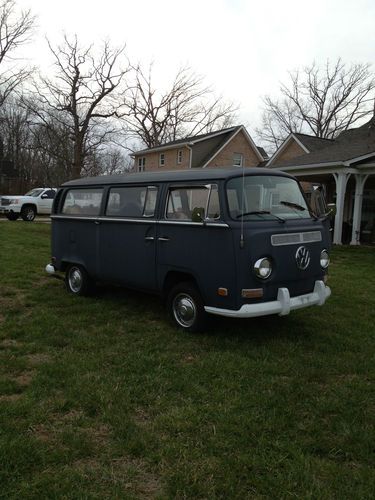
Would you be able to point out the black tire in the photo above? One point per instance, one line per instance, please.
(185, 307)
(77, 281)
(28, 213)
(12, 216)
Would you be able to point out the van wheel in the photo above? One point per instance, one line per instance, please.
(12, 216)
(77, 281)
(185, 307)
(28, 213)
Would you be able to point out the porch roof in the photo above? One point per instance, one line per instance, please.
(350, 147)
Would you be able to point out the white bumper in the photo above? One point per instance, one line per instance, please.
(50, 269)
(282, 306)
(12, 208)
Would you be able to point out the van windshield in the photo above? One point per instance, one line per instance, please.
(262, 197)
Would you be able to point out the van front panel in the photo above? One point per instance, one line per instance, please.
(261, 240)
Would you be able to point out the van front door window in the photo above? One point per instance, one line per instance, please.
(193, 203)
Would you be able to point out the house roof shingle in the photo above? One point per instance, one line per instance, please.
(206, 149)
(349, 145)
(188, 140)
(313, 143)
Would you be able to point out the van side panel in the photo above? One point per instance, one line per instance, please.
(205, 252)
(127, 253)
(75, 241)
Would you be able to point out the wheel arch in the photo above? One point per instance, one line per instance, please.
(65, 263)
(29, 204)
(172, 278)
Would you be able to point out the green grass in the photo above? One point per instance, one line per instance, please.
(102, 398)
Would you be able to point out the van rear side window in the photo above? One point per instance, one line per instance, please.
(137, 201)
(82, 202)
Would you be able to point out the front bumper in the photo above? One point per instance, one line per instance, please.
(10, 208)
(282, 306)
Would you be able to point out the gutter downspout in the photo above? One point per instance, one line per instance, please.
(189, 146)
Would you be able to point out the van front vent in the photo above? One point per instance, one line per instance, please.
(295, 238)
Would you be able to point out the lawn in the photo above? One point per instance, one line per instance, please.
(101, 397)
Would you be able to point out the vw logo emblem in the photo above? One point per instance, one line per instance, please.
(302, 258)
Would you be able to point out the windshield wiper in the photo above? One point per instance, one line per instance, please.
(298, 207)
(260, 212)
(292, 205)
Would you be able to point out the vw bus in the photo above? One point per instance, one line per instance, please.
(238, 243)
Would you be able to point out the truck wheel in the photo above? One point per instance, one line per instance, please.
(12, 216)
(77, 281)
(28, 213)
(185, 307)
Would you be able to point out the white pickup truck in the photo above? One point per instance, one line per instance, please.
(36, 201)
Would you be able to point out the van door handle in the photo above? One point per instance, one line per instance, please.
(163, 238)
(149, 238)
(97, 222)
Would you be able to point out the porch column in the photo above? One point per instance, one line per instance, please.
(360, 180)
(341, 179)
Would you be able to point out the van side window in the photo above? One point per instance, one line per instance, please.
(82, 202)
(192, 204)
(137, 201)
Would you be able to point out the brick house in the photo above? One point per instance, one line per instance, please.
(346, 167)
(230, 147)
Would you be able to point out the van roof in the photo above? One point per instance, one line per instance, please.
(196, 174)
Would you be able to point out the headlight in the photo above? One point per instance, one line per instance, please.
(324, 259)
(263, 268)
(14, 201)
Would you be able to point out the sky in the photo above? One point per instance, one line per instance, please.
(243, 48)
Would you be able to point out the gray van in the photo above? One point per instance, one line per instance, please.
(231, 242)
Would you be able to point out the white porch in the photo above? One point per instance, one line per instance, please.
(347, 186)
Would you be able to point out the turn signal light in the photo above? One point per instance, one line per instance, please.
(223, 292)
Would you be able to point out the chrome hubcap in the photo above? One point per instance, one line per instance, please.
(75, 279)
(30, 214)
(184, 310)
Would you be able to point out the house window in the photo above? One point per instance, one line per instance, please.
(179, 157)
(141, 164)
(161, 160)
(237, 159)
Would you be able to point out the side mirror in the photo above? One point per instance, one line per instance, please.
(331, 209)
(44, 196)
(197, 214)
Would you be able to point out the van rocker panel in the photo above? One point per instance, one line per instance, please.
(281, 306)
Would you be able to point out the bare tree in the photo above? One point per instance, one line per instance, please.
(187, 108)
(15, 30)
(81, 97)
(318, 101)
(38, 154)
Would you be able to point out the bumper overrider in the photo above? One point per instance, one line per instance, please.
(281, 306)
(51, 270)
